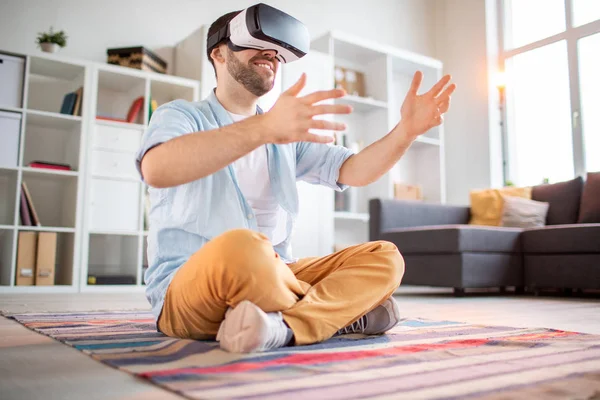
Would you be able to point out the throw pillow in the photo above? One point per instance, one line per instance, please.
(523, 213)
(589, 211)
(487, 205)
(564, 199)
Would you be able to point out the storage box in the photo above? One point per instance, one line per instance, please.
(26, 262)
(137, 58)
(45, 259)
(11, 81)
(407, 192)
(350, 80)
(10, 127)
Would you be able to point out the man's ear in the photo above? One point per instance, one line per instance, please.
(217, 54)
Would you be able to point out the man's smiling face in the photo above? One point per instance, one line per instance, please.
(254, 69)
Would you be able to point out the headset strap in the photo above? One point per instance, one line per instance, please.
(216, 37)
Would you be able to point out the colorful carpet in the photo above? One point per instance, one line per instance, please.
(418, 359)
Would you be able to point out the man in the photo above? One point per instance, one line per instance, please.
(222, 177)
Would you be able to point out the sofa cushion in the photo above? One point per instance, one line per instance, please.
(589, 211)
(487, 204)
(574, 238)
(523, 213)
(564, 199)
(455, 239)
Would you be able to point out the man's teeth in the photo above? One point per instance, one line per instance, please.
(264, 66)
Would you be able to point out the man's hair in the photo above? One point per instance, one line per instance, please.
(222, 21)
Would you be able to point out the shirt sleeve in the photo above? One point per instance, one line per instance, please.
(319, 163)
(168, 121)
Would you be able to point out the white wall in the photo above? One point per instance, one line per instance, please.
(471, 126)
(451, 30)
(94, 26)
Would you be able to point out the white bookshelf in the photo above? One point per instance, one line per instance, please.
(45, 135)
(102, 184)
(388, 72)
(115, 232)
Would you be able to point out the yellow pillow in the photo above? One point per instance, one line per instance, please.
(487, 205)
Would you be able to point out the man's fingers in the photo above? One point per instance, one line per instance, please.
(297, 87)
(438, 87)
(327, 125)
(446, 93)
(323, 95)
(416, 82)
(330, 109)
(311, 137)
(444, 106)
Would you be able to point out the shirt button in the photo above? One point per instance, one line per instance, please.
(249, 216)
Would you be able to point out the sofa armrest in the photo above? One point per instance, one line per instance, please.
(393, 214)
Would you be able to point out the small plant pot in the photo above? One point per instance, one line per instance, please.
(49, 47)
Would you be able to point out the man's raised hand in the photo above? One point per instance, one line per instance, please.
(423, 112)
(290, 119)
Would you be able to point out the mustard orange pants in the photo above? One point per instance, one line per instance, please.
(317, 296)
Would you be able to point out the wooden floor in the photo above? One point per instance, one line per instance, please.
(33, 366)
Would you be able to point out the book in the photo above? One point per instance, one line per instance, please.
(94, 279)
(49, 165)
(34, 216)
(24, 211)
(68, 103)
(78, 101)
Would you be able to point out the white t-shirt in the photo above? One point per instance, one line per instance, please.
(253, 177)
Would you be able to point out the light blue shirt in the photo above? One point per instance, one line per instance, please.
(183, 218)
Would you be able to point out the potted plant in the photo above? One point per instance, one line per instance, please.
(51, 41)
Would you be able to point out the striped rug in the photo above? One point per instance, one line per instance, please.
(419, 359)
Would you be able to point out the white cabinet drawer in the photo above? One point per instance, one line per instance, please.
(10, 126)
(115, 205)
(110, 164)
(116, 138)
(11, 81)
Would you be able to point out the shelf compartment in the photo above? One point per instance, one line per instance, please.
(164, 92)
(54, 196)
(63, 256)
(362, 104)
(420, 166)
(112, 256)
(6, 247)
(8, 193)
(351, 216)
(50, 81)
(52, 138)
(117, 94)
(115, 205)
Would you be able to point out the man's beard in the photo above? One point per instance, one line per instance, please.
(247, 76)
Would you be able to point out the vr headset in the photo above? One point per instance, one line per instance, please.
(263, 27)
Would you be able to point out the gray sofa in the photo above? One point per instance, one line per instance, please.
(440, 248)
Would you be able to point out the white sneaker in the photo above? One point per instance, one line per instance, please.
(378, 321)
(248, 329)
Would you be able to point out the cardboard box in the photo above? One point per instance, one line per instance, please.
(351, 80)
(407, 192)
(46, 259)
(26, 262)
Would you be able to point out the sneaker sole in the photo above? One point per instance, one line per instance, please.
(242, 329)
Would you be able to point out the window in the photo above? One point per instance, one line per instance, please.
(550, 54)
(589, 79)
